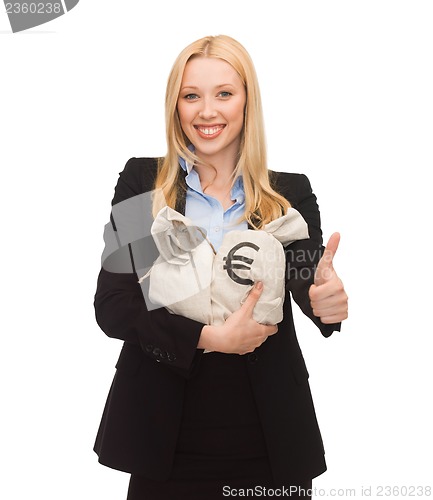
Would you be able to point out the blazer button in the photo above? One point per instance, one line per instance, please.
(149, 348)
(253, 357)
(171, 357)
(157, 351)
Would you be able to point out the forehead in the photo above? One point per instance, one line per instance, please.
(208, 71)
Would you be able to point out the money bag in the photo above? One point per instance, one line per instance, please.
(192, 279)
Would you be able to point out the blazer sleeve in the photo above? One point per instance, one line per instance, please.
(303, 256)
(120, 308)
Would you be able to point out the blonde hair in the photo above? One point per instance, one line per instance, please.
(262, 203)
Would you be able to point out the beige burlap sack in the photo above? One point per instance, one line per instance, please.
(191, 279)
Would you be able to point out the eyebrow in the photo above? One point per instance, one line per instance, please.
(193, 87)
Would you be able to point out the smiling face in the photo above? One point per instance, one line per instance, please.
(211, 107)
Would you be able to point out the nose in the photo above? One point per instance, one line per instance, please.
(207, 110)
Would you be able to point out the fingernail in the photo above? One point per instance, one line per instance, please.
(259, 285)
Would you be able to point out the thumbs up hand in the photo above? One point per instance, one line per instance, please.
(328, 298)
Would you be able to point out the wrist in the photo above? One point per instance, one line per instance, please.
(209, 338)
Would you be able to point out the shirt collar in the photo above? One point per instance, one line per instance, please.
(185, 165)
(237, 192)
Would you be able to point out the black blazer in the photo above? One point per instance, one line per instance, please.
(140, 422)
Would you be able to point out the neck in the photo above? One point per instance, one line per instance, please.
(224, 165)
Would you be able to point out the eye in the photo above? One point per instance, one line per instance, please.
(191, 97)
(225, 93)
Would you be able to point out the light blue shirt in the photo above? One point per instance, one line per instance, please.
(207, 212)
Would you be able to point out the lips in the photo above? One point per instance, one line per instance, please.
(209, 131)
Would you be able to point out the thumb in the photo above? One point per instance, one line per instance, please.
(331, 247)
(325, 268)
(253, 296)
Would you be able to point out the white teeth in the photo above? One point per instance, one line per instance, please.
(210, 131)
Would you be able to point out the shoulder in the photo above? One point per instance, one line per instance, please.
(137, 177)
(293, 186)
(140, 173)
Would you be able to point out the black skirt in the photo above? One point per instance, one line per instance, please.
(221, 446)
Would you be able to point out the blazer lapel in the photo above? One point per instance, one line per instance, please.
(181, 192)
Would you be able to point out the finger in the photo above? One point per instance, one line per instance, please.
(325, 268)
(334, 301)
(330, 250)
(253, 296)
(338, 298)
(334, 318)
(323, 312)
(270, 330)
(327, 289)
(332, 246)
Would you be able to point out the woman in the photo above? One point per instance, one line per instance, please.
(190, 424)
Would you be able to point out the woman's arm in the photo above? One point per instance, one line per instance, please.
(327, 295)
(240, 333)
(302, 257)
(120, 308)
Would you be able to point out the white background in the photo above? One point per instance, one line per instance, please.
(347, 93)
